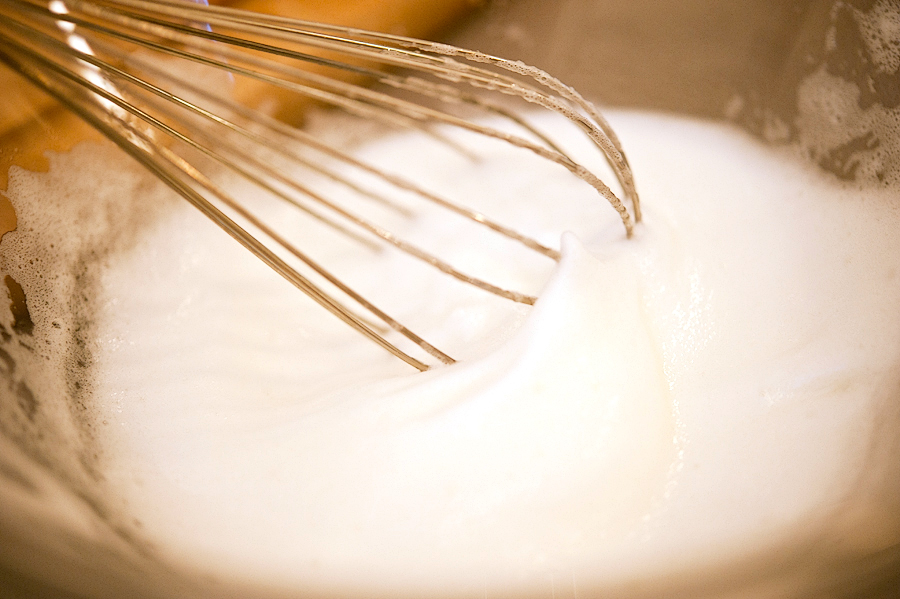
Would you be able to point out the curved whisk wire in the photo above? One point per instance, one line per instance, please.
(109, 61)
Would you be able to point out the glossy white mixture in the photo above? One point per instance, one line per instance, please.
(711, 398)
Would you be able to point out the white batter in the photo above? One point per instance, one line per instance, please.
(710, 405)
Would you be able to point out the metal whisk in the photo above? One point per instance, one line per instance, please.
(111, 62)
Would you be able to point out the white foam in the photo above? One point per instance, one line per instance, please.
(677, 407)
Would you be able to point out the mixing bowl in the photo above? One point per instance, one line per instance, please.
(822, 77)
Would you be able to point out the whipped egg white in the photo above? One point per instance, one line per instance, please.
(710, 406)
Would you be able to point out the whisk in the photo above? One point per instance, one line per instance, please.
(111, 62)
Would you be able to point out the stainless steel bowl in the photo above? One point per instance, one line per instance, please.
(778, 68)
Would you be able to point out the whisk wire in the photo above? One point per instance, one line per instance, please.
(163, 162)
(248, 159)
(335, 99)
(343, 94)
(117, 101)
